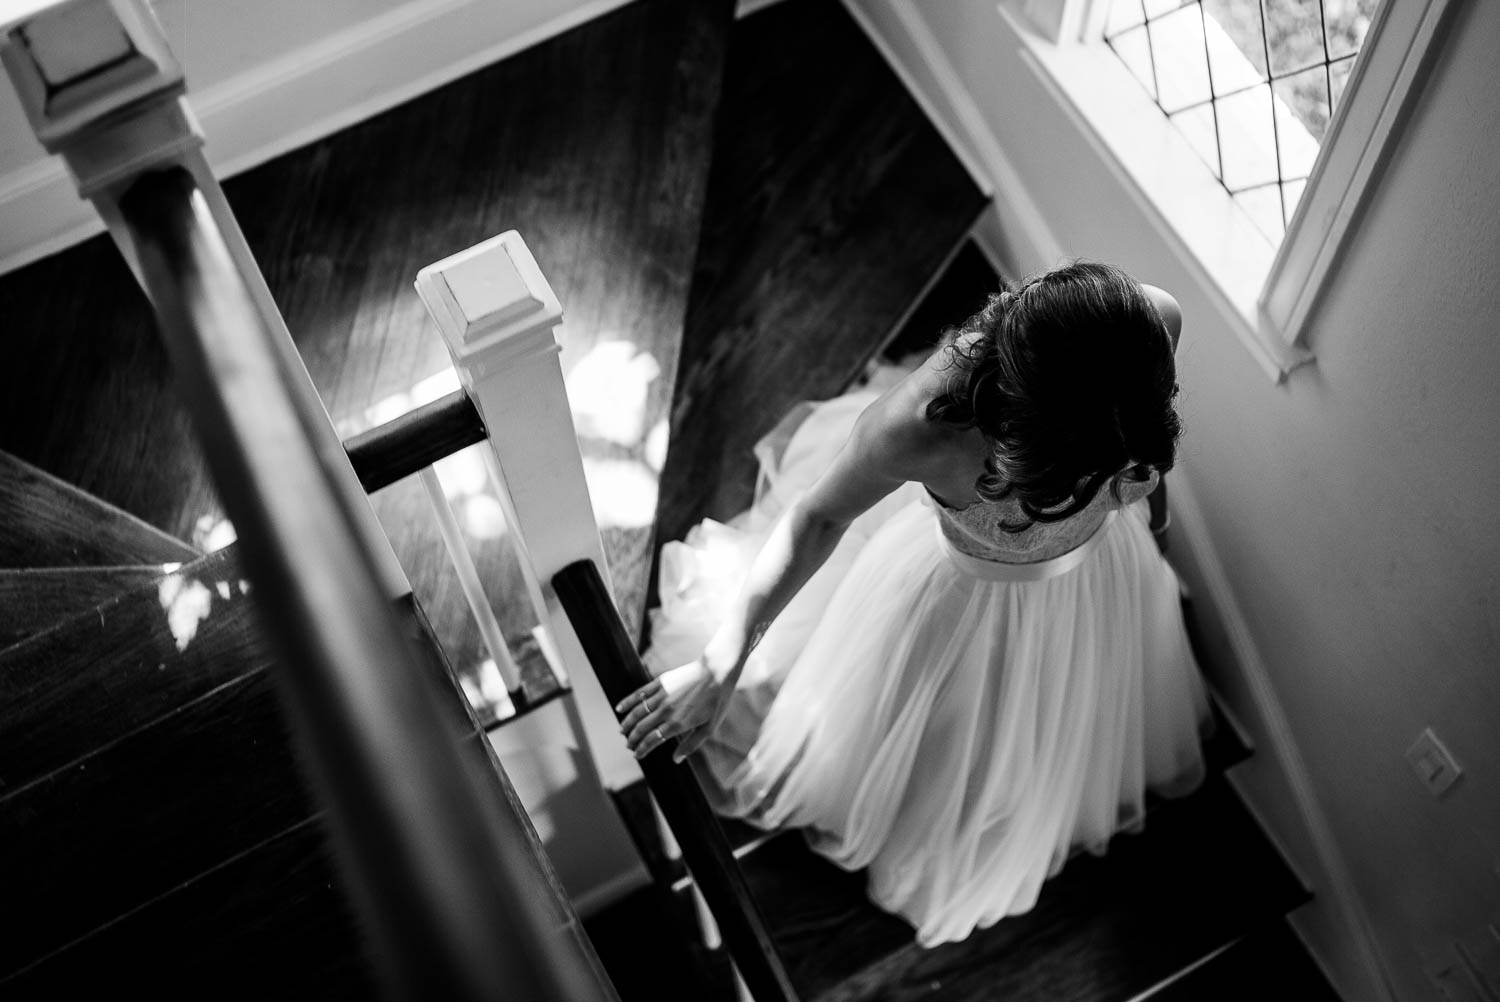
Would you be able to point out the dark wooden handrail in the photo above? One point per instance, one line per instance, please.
(705, 850)
(450, 897)
(416, 439)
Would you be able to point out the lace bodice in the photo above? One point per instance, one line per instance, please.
(978, 529)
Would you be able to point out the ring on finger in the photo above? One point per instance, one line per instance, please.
(646, 702)
(659, 738)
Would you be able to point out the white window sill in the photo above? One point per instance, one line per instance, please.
(1190, 209)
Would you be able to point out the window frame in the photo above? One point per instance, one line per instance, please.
(1396, 58)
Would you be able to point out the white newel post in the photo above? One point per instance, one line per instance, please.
(120, 111)
(497, 313)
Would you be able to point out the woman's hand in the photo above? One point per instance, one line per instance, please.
(686, 703)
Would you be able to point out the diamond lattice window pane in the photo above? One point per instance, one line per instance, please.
(1134, 50)
(1123, 14)
(1301, 119)
(1294, 34)
(1157, 8)
(1236, 50)
(1181, 66)
(1264, 207)
(1247, 139)
(1198, 127)
(1347, 22)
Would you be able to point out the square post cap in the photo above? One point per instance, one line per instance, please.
(75, 63)
(487, 299)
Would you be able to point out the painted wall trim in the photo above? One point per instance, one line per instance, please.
(294, 100)
(1013, 231)
(1331, 879)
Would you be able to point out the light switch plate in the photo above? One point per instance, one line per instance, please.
(1433, 763)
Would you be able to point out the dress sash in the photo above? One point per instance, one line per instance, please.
(994, 570)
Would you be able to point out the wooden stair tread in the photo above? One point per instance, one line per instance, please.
(831, 201)
(35, 598)
(152, 803)
(142, 745)
(219, 936)
(103, 673)
(958, 292)
(47, 522)
(1269, 963)
(1106, 928)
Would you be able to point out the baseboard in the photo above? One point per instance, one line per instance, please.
(1312, 850)
(298, 98)
(1015, 236)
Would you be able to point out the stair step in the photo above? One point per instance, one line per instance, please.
(47, 522)
(269, 923)
(1268, 963)
(957, 294)
(35, 598)
(1106, 928)
(102, 674)
(831, 203)
(155, 826)
(141, 744)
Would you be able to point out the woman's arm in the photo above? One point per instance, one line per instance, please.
(689, 701)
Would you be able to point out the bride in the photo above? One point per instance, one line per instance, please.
(943, 642)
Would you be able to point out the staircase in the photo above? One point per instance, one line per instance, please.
(762, 212)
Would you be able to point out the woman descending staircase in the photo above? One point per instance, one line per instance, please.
(835, 230)
(155, 828)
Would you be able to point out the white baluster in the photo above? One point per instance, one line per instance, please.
(497, 313)
(468, 580)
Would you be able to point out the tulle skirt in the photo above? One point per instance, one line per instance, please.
(928, 716)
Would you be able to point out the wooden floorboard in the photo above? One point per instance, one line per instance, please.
(103, 674)
(271, 923)
(831, 203)
(35, 599)
(1269, 963)
(136, 819)
(47, 522)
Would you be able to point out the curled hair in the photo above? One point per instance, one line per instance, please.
(1070, 379)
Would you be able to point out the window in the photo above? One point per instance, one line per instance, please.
(1251, 84)
(1250, 130)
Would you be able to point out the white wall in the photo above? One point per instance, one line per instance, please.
(1346, 516)
(267, 76)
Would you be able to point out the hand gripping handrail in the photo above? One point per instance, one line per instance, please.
(704, 848)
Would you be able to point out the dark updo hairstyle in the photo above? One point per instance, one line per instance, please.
(1070, 378)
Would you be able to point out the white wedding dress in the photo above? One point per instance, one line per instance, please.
(932, 705)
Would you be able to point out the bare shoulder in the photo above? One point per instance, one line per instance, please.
(895, 429)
